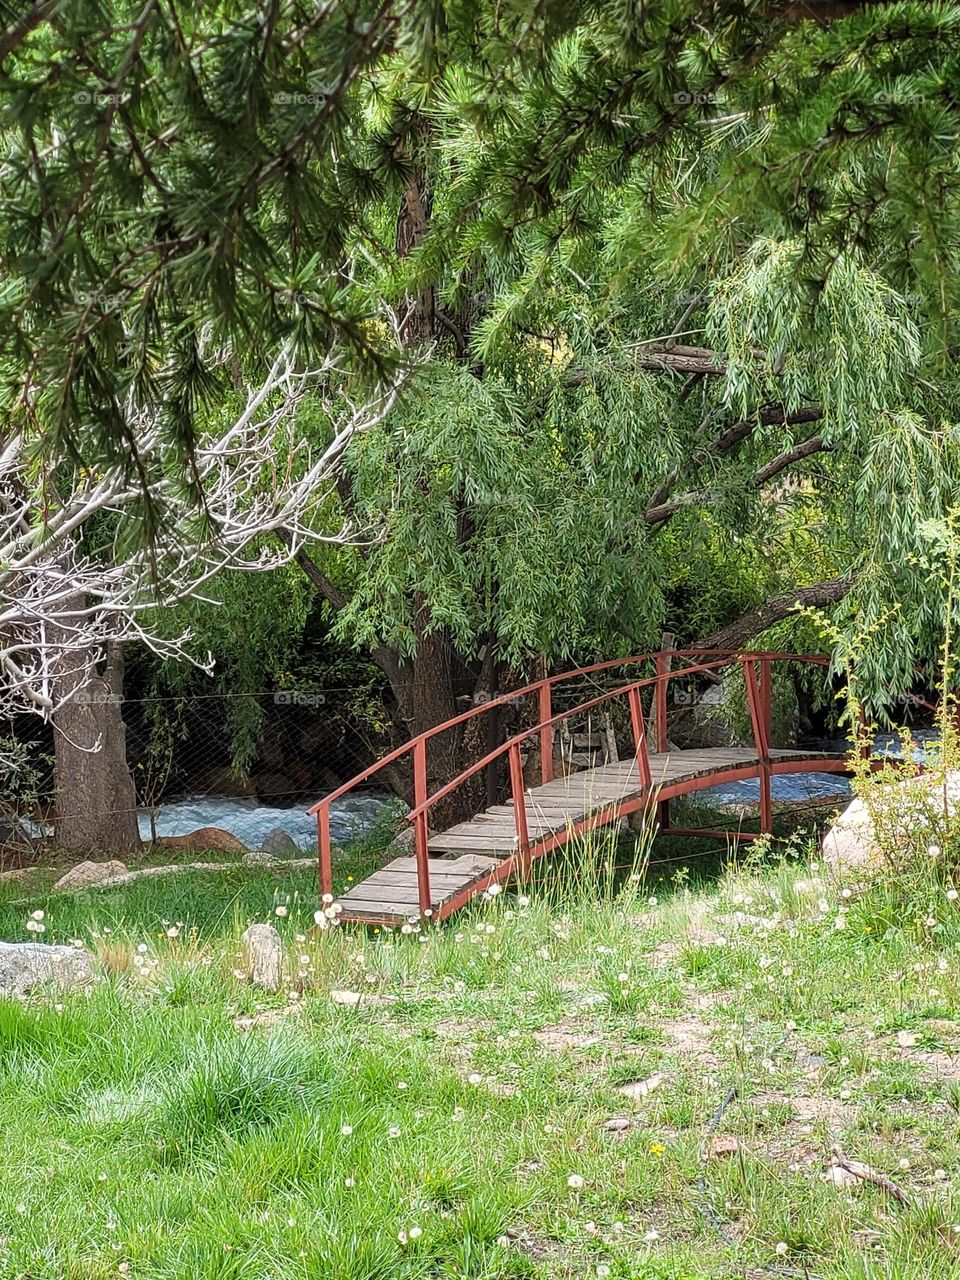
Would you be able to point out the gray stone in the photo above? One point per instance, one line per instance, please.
(279, 843)
(263, 956)
(87, 874)
(24, 965)
(405, 841)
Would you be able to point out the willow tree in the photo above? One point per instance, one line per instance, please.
(654, 325)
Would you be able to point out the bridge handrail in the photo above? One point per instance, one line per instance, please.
(742, 656)
(506, 699)
(758, 696)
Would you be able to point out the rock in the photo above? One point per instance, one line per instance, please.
(722, 1144)
(907, 806)
(349, 999)
(86, 875)
(205, 840)
(24, 965)
(850, 841)
(279, 843)
(640, 1088)
(617, 1124)
(222, 781)
(277, 787)
(263, 956)
(353, 999)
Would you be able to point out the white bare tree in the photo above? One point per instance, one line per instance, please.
(62, 603)
(74, 586)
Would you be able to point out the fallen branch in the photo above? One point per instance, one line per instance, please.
(867, 1173)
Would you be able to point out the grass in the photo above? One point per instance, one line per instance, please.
(465, 1119)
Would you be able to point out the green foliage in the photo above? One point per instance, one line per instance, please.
(189, 190)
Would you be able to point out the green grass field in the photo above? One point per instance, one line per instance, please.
(465, 1118)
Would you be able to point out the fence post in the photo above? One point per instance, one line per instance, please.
(421, 829)
(519, 806)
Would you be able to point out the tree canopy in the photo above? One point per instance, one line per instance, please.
(673, 287)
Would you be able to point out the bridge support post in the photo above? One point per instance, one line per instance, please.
(325, 863)
(639, 738)
(519, 807)
(663, 662)
(546, 734)
(420, 828)
(760, 699)
(766, 719)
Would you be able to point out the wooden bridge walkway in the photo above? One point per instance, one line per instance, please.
(501, 840)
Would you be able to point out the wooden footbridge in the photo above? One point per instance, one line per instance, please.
(525, 817)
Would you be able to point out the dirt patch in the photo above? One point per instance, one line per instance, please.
(936, 1063)
(811, 1109)
(669, 954)
(459, 1028)
(688, 1035)
(566, 1036)
(267, 1018)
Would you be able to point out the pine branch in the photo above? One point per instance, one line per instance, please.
(18, 31)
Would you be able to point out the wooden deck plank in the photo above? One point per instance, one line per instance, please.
(392, 894)
(485, 840)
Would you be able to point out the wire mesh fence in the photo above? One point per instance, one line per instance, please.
(251, 764)
(248, 764)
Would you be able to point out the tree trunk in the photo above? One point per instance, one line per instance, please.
(96, 805)
(434, 686)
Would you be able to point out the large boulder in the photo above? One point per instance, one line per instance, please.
(909, 810)
(86, 875)
(25, 965)
(279, 843)
(205, 840)
(850, 842)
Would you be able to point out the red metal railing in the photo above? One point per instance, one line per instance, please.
(757, 676)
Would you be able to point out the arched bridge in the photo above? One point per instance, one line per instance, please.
(524, 796)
